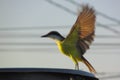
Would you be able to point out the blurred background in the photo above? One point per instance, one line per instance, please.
(22, 22)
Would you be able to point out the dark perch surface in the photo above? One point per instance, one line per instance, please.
(44, 74)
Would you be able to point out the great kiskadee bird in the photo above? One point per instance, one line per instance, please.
(79, 39)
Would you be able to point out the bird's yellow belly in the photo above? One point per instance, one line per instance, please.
(68, 49)
(63, 49)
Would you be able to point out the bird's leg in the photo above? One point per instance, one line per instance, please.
(76, 66)
(75, 62)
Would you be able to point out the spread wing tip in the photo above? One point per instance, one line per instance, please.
(86, 20)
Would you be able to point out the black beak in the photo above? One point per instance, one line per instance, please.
(44, 35)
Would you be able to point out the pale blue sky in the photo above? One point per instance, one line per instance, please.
(27, 13)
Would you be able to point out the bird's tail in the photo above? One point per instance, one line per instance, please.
(90, 67)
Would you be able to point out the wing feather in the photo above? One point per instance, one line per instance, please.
(85, 26)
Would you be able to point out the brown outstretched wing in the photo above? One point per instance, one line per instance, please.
(84, 26)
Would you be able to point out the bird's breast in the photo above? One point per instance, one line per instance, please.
(66, 49)
(63, 48)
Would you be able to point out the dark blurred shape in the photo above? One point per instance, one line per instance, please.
(44, 74)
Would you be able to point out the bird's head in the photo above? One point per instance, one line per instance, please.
(54, 35)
